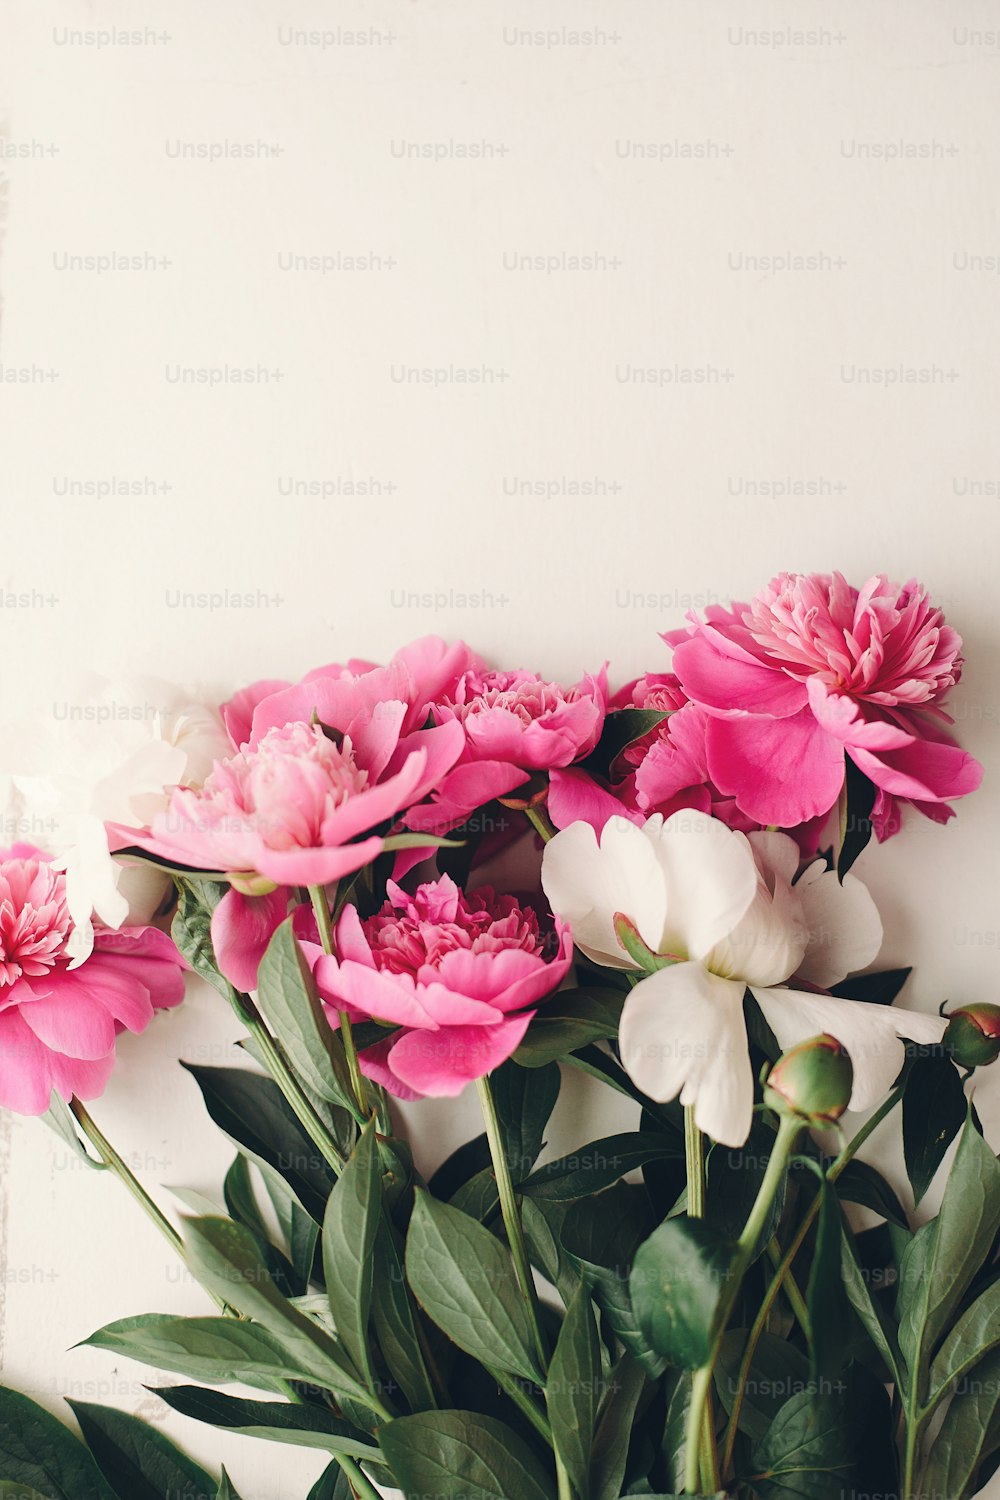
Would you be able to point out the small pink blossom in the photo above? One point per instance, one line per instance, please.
(58, 1024)
(514, 724)
(459, 975)
(813, 669)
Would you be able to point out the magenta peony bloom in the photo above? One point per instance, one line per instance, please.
(459, 974)
(813, 669)
(663, 772)
(58, 1024)
(514, 723)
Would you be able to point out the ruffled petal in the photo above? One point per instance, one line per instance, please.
(845, 929)
(587, 882)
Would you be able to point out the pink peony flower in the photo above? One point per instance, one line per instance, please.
(663, 772)
(460, 975)
(514, 723)
(418, 675)
(58, 1024)
(813, 669)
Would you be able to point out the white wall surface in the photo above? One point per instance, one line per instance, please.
(681, 142)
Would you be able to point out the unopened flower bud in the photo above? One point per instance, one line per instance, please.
(812, 1081)
(973, 1035)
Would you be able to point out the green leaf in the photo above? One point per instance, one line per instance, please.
(38, 1452)
(571, 1020)
(331, 1485)
(964, 1438)
(777, 1372)
(394, 1321)
(463, 1164)
(219, 1350)
(600, 1236)
(876, 1322)
(877, 989)
(241, 1201)
(227, 1490)
(251, 1111)
(464, 1280)
(975, 1334)
(858, 799)
(524, 1101)
(943, 1256)
(287, 996)
(457, 1455)
(226, 1260)
(614, 1428)
(934, 1111)
(806, 1452)
(733, 1181)
(677, 1281)
(573, 1389)
(599, 1164)
(59, 1118)
(861, 1183)
(12, 1489)
(621, 728)
(306, 1425)
(824, 1298)
(191, 930)
(349, 1230)
(138, 1462)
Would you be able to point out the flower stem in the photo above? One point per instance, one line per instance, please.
(694, 1158)
(789, 1130)
(540, 823)
(284, 1076)
(321, 908)
(109, 1156)
(357, 1479)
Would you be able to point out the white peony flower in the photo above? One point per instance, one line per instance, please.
(722, 907)
(113, 754)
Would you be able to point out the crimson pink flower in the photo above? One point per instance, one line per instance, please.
(513, 723)
(459, 975)
(58, 1023)
(813, 669)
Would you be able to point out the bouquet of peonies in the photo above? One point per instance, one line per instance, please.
(415, 878)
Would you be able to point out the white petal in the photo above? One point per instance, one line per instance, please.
(767, 946)
(711, 879)
(775, 853)
(845, 929)
(587, 883)
(682, 1032)
(870, 1033)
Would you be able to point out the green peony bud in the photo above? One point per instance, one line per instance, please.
(973, 1035)
(813, 1081)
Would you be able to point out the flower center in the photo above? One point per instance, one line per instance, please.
(34, 921)
(412, 933)
(520, 693)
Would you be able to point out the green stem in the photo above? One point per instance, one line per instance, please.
(357, 1479)
(910, 1452)
(320, 907)
(796, 1301)
(524, 1403)
(789, 1130)
(694, 1158)
(109, 1156)
(511, 1216)
(784, 1268)
(540, 823)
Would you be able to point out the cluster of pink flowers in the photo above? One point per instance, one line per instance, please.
(753, 722)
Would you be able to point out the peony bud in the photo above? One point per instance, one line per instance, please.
(812, 1081)
(973, 1035)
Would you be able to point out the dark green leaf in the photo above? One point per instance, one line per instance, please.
(331, 1485)
(138, 1462)
(599, 1164)
(250, 1109)
(876, 1322)
(59, 1118)
(824, 1297)
(464, 1279)
(861, 1183)
(219, 1350)
(806, 1452)
(614, 1428)
(226, 1260)
(227, 1490)
(306, 1424)
(349, 1230)
(622, 728)
(778, 1371)
(958, 1448)
(934, 1110)
(457, 1455)
(676, 1284)
(524, 1101)
(569, 1022)
(856, 824)
(600, 1236)
(573, 1389)
(471, 1157)
(877, 989)
(975, 1334)
(734, 1178)
(288, 998)
(394, 1321)
(191, 930)
(38, 1452)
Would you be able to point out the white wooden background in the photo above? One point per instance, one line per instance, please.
(555, 510)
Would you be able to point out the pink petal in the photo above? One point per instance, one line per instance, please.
(575, 797)
(723, 678)
(316, 866)
(72, 1019)
(781, 771)
(237, 714)
(394, 998)
(25, 1066)
(242, 927)
(441, 1063)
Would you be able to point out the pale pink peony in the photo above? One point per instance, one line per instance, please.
(58, 1024)
(514, 724)
(814, 669)
(459, 975)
